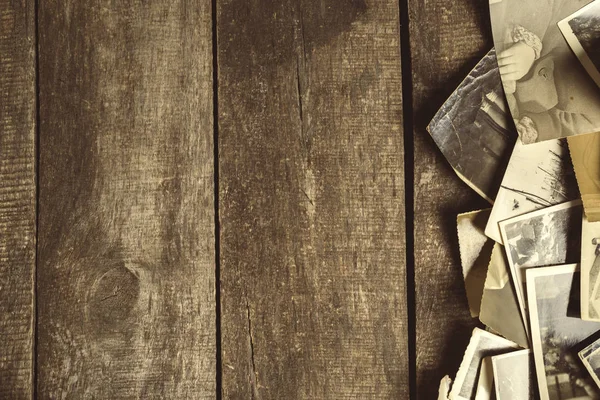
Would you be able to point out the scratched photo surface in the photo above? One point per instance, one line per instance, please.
(590, 270)
(474, 131)
(549, 93)
(537, 176)
(585, 155)
(549, 236)
(556, 334)
(514, 376)
(482, 344)
(582, 32)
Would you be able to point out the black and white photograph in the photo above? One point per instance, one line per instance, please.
(537, 176)
(514, 375)
(482, 344)
(582, 31)
(474, 130)
(590, 270)
(556, 334)
(590, 357)
(475, 251)
(549, 236)
(499, 306)
(549, 93)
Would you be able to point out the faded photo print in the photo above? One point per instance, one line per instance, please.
(582, 32)
(474, 130)
(556, 335)
(549, 93)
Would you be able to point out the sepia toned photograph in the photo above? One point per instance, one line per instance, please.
(537, 176)
(549, 236)
(533, 59)
(475, 252)
(474, 130)
(514, 376)
(590, 357)
(590, 270)
(585, 155)
(582, 32)
(482, 344)
(485, 384)
(500, 309)
(556, 334)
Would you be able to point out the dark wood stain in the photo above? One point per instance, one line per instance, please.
(447, 40)
(311, 200)
(126, 305)
(17, 197)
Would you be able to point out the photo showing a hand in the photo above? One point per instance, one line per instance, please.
(516, 61)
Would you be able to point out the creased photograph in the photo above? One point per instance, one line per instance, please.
(556, 334)
(590, 270)
(475, 252)
(549, 93)
(585, 155)
(500, 309)
(582, 32)
(537, 176)
(482, 344)
(549, 236)
(590, 357)
(514, 376)
(474, 130)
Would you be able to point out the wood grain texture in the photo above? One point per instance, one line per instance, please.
(17, 197)
(447, 40)
(311, 200)
(126, 216)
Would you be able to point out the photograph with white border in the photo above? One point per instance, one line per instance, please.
(482, 344)
(556, 334)
(537, 176)
(549, 236)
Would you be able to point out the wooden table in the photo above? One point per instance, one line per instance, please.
(207, 200)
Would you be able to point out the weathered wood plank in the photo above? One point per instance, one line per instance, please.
(126, 215)
(17, 197)
(312, 200)
(447, 40)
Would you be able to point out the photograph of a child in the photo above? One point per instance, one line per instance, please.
(548, 91)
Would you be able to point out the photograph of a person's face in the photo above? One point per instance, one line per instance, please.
(549, 93)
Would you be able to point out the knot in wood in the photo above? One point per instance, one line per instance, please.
(112, 298)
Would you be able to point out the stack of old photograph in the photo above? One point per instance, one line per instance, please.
(523, 131)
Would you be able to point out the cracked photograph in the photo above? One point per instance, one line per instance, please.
(474, 131)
